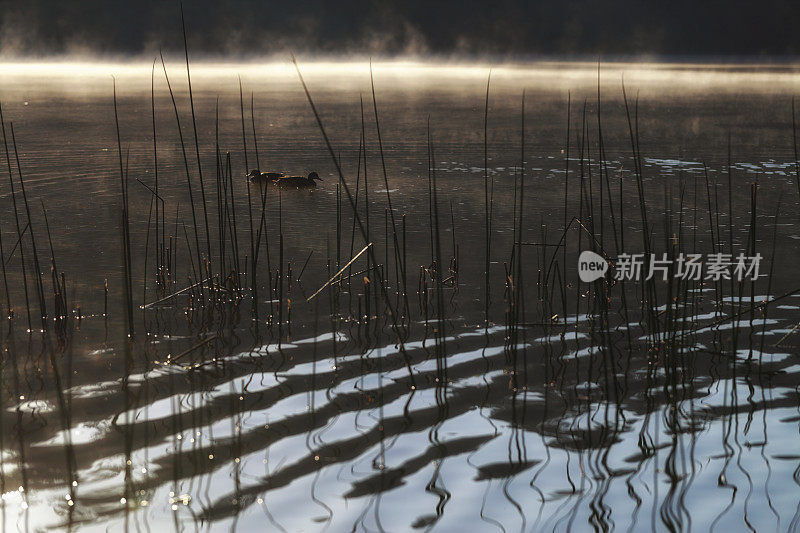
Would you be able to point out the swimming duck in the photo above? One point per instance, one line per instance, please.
(297, 182)
(255, 175)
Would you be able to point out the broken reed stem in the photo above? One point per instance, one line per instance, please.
(339, 273)
(174, 294)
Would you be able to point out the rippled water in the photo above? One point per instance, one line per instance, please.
(567, 414)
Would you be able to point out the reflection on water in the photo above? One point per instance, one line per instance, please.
(610, 405)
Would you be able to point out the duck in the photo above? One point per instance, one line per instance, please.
(297, 182)
(256, 175)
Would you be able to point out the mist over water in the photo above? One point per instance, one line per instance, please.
(242, 28)
(559, 412)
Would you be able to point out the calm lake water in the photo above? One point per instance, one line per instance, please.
(555, 405)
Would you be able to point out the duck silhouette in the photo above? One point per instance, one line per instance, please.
(255, 175)
(296, 182)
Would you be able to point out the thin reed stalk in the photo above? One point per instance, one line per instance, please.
(196, 142)
(361, 227)
(126, 236)
(16, 219)
(185, 165)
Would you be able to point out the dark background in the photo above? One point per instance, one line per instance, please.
(472, 28)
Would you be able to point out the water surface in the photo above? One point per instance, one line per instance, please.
(570, 418)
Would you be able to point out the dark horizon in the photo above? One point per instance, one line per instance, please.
(505, 29)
